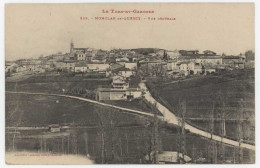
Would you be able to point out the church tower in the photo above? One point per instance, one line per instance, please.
(71, 47)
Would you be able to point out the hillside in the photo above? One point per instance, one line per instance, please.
(231, 92)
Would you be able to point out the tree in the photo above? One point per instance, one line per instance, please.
(250, 55)
(165, 55)
(151, 146)
(102, 136)
(74, 142)
(181, 113)
(158, 71)
(211, 129)
(85, 135)
(240, 129)
(221, 99)
(155, 135)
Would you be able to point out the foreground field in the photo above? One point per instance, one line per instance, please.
(29, 158)
(127, 137)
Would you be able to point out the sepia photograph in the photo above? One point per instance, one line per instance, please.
(129, 83)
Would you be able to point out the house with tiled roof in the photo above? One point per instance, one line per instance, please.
(189, 67)
(119, 82)
(125, 72)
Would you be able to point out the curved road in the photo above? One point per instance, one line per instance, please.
(169, 116)
(173, 119)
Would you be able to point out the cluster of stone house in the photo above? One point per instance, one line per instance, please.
(86, 67)
(78, 60)
(190, 67)
(191, 62)
(83, 60)
(121, 66)
(28, 65)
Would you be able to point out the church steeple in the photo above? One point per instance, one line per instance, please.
(71, 47)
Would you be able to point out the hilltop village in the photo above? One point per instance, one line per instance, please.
(126, 67)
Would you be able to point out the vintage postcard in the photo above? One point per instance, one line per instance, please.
(135, 83)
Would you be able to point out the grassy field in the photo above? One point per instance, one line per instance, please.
(37, 110)
(51, 84)
(78, 86)
(234, 89)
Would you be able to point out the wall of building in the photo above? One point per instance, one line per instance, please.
(104, 95)
(127, 74)
(98, 67)
(131, 65)
(81, 69)
(135, 94)
(118, 95)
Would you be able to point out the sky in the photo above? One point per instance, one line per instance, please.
(32, 30)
